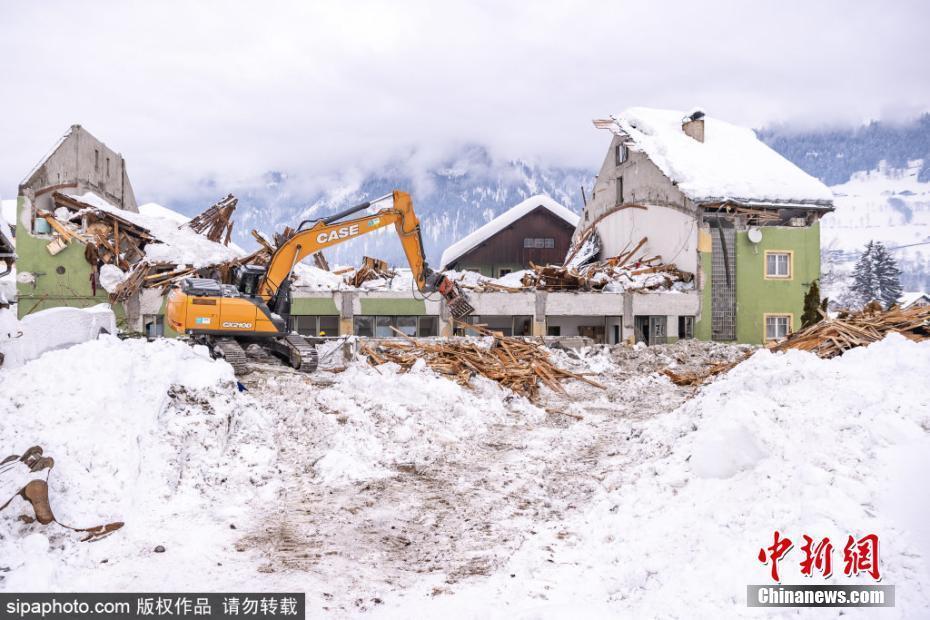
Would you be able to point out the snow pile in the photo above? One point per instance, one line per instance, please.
(785, 442)
(47, 330)
(181, 246)
(312, 278)
(110, 277)
(152, 434)
(501, 222)
(731, 163)
(379, 419)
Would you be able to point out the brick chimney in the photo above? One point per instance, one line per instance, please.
(693, 125)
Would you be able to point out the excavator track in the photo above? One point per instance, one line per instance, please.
(301, 354)
(232, 352)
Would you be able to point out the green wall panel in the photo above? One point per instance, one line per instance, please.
(314, 306)
(393, 306)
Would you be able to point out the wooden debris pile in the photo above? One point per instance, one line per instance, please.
(371, 269)
(832, 337)
(622, 268)
(517, 364)
(216, 222)
(108, 238)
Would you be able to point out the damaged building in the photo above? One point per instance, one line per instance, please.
(714, 200)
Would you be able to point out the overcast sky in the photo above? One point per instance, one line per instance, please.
(227, 90)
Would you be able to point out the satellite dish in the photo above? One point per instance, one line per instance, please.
(755, 235)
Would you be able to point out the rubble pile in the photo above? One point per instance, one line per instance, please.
(831, 337)
(371, 269)
(109, 238)
(216, 222)
(517, 364)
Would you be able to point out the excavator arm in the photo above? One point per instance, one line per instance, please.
(334, 230)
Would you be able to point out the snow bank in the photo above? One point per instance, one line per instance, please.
(152, 434)
(784, 442)
(501, 222)
(382, 418)
(731, 163)
(47, 330)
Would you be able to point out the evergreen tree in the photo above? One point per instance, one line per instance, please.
(865, 286)
(876, 276)
(887, 275)
(812, 306)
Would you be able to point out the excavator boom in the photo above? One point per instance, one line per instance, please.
(334, 230)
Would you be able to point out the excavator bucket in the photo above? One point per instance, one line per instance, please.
(455, 298)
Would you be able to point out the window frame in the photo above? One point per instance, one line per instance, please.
(621, 154)
(619, 190)
(776, 315)
(686, 325)
(790, 265)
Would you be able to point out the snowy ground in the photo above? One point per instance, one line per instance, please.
(406, 495)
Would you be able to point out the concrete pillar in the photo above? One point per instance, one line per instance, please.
(539, 318)
(445, 321)
(346, 314)
(629, 334)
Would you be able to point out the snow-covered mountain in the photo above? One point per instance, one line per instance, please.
(452, 198)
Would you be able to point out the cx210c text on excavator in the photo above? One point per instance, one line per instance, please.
(256, 309)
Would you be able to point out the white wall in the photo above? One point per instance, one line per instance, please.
(671, 233)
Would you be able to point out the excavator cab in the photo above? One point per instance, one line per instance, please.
(249, 278)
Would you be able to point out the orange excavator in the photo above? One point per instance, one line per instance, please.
(256, 309)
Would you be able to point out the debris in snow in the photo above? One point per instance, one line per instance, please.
(831, 337)
(371, 269)
(517, 364)
(35, 491)
(216, 222)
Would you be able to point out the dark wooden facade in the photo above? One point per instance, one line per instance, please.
(506, 249)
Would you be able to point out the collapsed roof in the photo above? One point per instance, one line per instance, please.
(731, 164)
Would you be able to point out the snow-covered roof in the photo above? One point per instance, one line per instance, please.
(730, 164)
(908, 299)
(501, 222)
(181, 246)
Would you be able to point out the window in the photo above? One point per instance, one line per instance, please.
(329, 326)
(428, 326)
(153, 325)
(365, 326)
(310, 325)
(108, 167)
(383, 326)
(777, 326)
(503, 272)
(539, 242)
(778, 265)
(407, 324)
(96, 160)
(553, 330)
(619, 190)
(685, 327)
(621, 153)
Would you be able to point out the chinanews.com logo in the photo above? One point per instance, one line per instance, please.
(860, 556)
